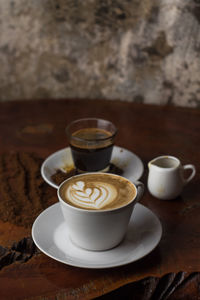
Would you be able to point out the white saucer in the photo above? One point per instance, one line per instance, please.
(50, 235)
(130, 163)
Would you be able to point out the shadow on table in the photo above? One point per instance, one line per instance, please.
(96, 281)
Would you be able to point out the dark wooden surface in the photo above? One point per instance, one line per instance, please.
(171, 270)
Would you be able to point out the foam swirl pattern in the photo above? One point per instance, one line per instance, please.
(93, 195)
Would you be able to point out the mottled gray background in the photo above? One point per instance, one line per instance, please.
(132, 50)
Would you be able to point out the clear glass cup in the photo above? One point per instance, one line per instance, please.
(91, 141)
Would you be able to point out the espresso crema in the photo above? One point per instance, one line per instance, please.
(98, 191)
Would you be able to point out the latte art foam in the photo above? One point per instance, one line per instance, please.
(97, 191)
(91, 195)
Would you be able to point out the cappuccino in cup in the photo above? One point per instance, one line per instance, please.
(98, 191)
(97, 208)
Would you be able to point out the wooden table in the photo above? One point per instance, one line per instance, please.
(32, 130)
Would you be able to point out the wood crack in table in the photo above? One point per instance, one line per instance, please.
(20, 251)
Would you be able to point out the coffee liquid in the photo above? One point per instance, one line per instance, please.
(98, 191)
(91, 149)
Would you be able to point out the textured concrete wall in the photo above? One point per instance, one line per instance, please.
(145, 51)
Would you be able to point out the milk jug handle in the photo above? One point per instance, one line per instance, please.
(192, 167)
(140, 190)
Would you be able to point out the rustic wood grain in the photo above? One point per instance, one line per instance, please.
(172, 286)
(171, 270)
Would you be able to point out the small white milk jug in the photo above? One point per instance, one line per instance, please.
(166, 177)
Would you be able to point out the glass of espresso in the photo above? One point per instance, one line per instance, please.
(91, 141)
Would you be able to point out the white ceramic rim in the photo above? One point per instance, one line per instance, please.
(166, 156)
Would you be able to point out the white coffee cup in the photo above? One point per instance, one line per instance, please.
(98, 229)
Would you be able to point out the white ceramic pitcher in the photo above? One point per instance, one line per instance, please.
(166, 177)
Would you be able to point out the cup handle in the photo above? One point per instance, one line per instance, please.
(192, 167)
(140, 190)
